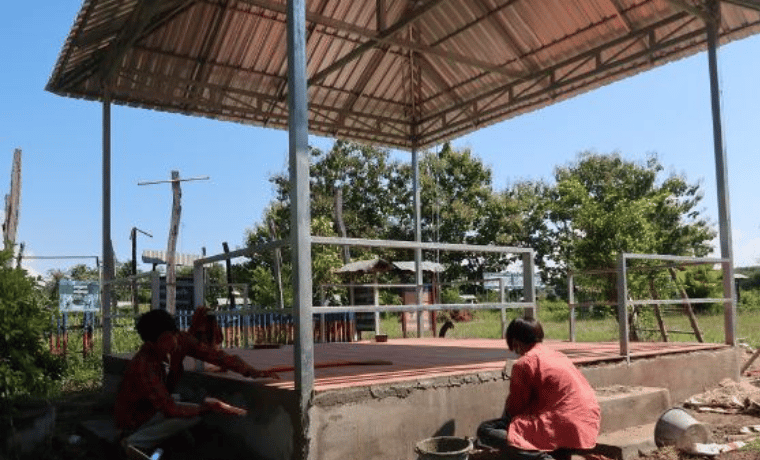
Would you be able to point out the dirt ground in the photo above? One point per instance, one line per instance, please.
(736, 398)
(740, 401)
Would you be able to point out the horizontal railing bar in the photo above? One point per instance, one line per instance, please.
(415, 308)
(675, 258)
(669, 331)
(244, 252)
(414, 245)
(674, 301)
(591, 304)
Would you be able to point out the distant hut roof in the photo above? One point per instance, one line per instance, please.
(378, 265)
(430, 267)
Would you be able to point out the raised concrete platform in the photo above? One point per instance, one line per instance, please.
(433, 387)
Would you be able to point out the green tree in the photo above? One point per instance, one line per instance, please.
(82, 272)
(377, 202)
(456, 198)
(602, 205)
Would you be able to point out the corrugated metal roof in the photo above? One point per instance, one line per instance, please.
(401, 73)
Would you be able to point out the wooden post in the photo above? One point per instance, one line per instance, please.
(171, 273)
(171, 276)
(13, 202)
(228, 266)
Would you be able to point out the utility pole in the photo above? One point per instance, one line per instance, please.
(171, 275)
(13, 202)
(133, 237)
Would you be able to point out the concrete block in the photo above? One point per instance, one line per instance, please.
(628, 443)
(626, 406)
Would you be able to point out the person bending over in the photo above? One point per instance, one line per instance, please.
(551, 409)
(145, 409)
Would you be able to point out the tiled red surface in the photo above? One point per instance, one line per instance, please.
(414, 359)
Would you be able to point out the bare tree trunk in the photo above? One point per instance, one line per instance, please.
(655, 296)
(339, 222)
(687, 307)
(277, 264)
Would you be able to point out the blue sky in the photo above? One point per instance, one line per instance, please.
(666, 111)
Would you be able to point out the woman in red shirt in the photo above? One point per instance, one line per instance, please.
(551, 409)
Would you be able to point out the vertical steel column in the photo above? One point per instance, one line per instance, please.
(300, 221)
(571, 303)
(106, 236)
(721, 175)
(529, 289)
(622, 292)
(503, 313)
(417, 237)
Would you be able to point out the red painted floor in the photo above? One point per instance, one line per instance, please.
(412, 359)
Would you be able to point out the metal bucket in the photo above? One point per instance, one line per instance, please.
(443, 448)
(676, 427)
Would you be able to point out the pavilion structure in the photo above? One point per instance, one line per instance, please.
(407, 74)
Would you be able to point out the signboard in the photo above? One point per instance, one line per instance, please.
(78, 295)
(185, 294)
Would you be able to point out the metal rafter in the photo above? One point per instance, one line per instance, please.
(323, 110)
(634, 36)
(382, 37)
(528, 63)
(749, 4)
(619, 13)
(364, 78)
(200, 70)
(144, 19)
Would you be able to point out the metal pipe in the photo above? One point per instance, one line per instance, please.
(622, 291)
(300, 217)
(721, 175)
(107, 273)
(417, 236)
(571, 304)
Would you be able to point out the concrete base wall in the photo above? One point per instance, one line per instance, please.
(385, 422)
(683, 374)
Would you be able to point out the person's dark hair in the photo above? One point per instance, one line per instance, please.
(151, 325)
(526, 330)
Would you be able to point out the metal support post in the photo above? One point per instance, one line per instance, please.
(300, 221)
(529, 289)
(721, 175)
(107, 274)
(417, 238)
(622, 292)
(503, 310)
(571, 304)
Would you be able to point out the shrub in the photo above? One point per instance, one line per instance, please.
(27, 369)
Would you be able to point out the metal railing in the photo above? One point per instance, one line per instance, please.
(625, 300)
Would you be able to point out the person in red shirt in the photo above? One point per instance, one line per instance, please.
(551, 410)
(145, 408)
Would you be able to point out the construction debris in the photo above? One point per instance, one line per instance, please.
(729, 397)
